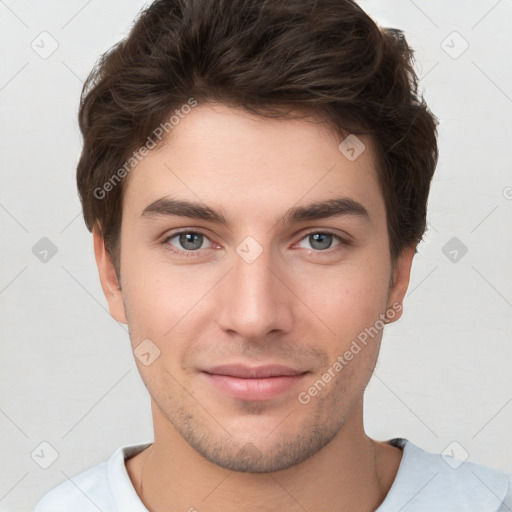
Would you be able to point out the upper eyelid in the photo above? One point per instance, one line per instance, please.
(324, 231)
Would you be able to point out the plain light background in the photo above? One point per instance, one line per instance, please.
(66, 369)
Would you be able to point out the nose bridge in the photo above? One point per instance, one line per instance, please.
(253, 301)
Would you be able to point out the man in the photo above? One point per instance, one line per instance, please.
(255, 175)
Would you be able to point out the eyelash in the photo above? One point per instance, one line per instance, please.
(315, 252)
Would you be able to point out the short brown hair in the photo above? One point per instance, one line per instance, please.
(327, 57)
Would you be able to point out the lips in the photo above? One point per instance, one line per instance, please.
(259, 372)
(253, 383)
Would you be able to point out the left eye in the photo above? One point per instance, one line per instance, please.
(321, 241)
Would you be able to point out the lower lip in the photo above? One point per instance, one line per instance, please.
(254, 389)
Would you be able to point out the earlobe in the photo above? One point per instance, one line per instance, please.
(108, 278)
(400, 283)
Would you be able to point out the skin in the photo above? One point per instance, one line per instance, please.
(297, 304)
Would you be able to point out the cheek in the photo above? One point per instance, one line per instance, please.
(167, 304)
(349, 298)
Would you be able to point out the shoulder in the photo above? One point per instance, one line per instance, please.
(87, 491)
(427, 481)
(105, 487)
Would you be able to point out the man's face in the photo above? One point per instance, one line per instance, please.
(266, 288)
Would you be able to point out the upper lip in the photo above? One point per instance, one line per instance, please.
(253, 372)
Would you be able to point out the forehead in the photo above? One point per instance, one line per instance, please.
(230, 158)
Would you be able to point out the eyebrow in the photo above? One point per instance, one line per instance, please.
(335, 207)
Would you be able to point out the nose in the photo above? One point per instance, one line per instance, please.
(254, 300)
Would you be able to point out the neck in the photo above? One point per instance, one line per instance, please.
(351, 473)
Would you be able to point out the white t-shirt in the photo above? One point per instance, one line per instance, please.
(425, 482)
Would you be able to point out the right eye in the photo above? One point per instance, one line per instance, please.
(187, 242)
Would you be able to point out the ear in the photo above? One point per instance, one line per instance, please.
(109, 282)
(400, 283)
